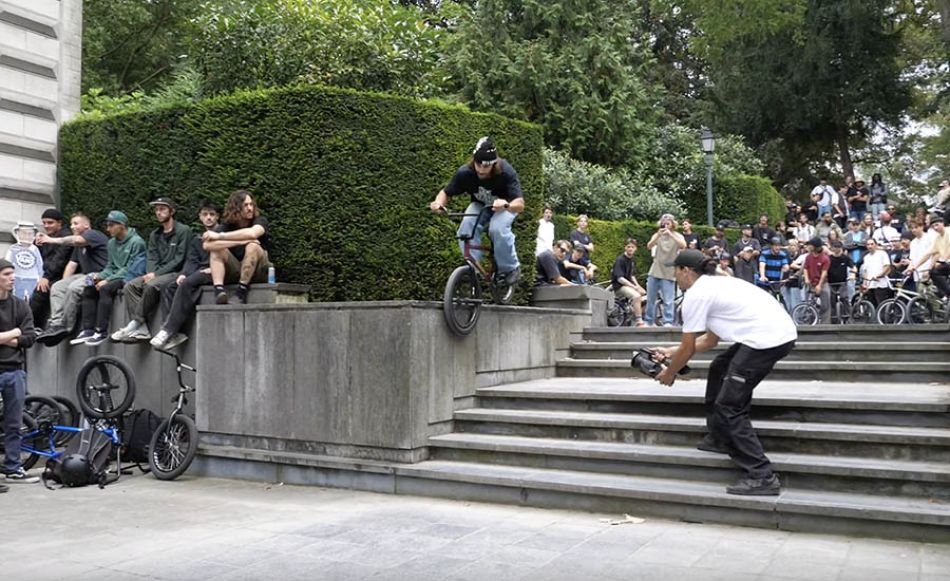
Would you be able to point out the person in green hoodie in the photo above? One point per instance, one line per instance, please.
(126, 261)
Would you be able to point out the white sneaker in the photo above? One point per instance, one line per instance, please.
(124, 333)
(176, 340)
(158, 341)
(140, 334)
(82, 337)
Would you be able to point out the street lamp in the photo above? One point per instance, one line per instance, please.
(709, 145)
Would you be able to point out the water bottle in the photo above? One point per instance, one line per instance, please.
(271, 276)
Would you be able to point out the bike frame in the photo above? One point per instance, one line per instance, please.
(468, 245)
(51, 430)
(181, 399)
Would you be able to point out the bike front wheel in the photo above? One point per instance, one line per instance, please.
(173, 447)
(805, 314)
(105, 387)
(891, 312)
(462, 301)
(919, 311)
(862, 312)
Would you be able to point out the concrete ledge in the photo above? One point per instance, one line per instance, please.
(262, 293)
(595, 299)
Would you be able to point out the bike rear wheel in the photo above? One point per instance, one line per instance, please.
(805, 314)
(919, 311)
(891, 312)
(173, 447)
(862, 312)
(462, 301)
(105, 387)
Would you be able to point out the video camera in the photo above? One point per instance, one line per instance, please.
(643, 360)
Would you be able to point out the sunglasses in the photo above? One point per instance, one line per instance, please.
(563, 249)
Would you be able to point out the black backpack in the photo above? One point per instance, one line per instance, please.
(138, 426)
(85, 461)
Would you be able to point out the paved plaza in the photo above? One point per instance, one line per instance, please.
(203, 528)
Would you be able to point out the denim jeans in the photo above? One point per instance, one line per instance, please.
(876, 209)
(667, 288)
(792, 296)
(499, 230)
(13, 391)
(23, 288)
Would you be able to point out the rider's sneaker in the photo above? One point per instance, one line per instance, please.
(770, 486)
(20, 477)
(513, 276)
(160, 338)
(175, 340)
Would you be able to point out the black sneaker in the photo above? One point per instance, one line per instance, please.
(756, 486)
(53, 336)
(221, 297)
(20, 477)
(241, 295)
(513, 276)
(709, 444)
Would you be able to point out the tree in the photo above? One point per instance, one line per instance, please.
(574, 67)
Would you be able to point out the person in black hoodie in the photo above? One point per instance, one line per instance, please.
(55, 259)
(16, 335)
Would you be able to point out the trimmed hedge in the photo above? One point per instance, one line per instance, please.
(609, 238)
(344, 177)
(742, 198)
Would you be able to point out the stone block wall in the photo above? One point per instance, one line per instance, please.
(40, 72)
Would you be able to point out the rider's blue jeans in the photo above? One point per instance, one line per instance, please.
(499, 229)
(13, 391)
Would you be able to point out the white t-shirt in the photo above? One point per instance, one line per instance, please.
(825, 192)
(919, 247)
(736, 311)
(886, 236)
(873, 266)
(545, 239)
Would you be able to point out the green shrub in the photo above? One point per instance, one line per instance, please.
(744, 198)
(344, 177)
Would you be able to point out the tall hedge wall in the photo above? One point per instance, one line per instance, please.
(742, 198)
(344, 177)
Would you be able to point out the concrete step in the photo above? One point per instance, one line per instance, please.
(831, 439)
(826, 351)
(794, 509)
(844, 333)
(806, 471)
(774, 399)
(875, 370)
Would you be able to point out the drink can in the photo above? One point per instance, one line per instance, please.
(271, 276)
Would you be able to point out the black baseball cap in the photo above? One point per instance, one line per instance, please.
(689, 258)
(163, 201)
(485, 152)
(816, 242)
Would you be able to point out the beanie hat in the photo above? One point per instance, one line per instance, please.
(53, 214)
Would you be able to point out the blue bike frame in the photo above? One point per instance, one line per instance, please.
(50, 432)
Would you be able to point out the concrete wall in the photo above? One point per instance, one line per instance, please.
(366, 380)
(40, 71)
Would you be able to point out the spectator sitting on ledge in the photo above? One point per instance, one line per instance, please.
(238, 253)
(550, 265)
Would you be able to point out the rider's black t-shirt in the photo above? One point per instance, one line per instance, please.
(838, 271)
(623, 268)
(504, 185)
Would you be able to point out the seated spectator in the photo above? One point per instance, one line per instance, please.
(824, 226)
(746, 239)
(875, 268)
(550, 262)
(762, 232)
(623, 279)
(55, 258)
(815, 273)
(715, 243)
(26, 259)
(691, 238)
(840, 270)
(167, 248)
(724, 268)
(179, 299)
(89, 255)
(746, 265)
(126, 261)
(578, 267)
(545, 237)
(238, 253)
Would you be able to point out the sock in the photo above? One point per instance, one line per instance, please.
(218, 288)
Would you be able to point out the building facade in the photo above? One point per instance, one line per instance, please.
(40, 72)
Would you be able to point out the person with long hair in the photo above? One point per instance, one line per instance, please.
(238, 251)
(761, 332)
(877, 199)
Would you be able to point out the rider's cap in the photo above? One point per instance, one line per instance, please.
(689, 258)
(935, 219)
(749, 248)
(485, 152)
(747, 226)
(816, 242)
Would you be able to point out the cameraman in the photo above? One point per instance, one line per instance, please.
(762, 333)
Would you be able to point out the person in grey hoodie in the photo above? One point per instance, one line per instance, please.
(126, 261)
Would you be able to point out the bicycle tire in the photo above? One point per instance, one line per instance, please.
(462, 301)
(616, 317)
(43, 409)
(96, 400)
(805, 315)
(891, 312)
(71, 417)
(863, 311)
(919, 311)
(173, 447)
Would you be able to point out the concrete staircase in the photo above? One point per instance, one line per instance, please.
(904, 354)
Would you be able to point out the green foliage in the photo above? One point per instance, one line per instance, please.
(576, 68)
(744, 198)
(344, 177)
(185, 86)
(577, 187)
(361, 44)
(131, 45)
